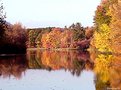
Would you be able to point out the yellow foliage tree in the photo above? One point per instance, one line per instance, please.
(102, 39)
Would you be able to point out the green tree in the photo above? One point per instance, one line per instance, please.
(78, 32)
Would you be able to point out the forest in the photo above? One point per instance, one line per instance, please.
(73, 37)
(103, 36)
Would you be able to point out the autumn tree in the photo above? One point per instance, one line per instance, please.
(89, 32)
(102, 40)
(66, 39)
(51, 39)
(15, 39)
(39, 36)
(18, 34)
(115, 13)
(31, 38)
(107, 26)
(35, 35)
(101, 16)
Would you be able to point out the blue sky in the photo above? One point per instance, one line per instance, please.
(44, 13)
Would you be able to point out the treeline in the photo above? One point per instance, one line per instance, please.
(74, 37)
(16, 38)
(107, 35)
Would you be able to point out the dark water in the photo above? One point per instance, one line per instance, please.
(60, 70)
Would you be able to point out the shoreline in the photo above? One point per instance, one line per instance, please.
(59, 49)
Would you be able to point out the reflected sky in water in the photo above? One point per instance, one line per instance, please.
(49, 80)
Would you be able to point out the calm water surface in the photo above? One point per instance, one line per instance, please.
(59, 70)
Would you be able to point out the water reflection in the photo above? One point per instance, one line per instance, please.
(12, 66)
(73, 61)
(55, 64)
(108, 72)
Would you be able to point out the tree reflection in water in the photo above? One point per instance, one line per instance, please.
(108, 72)
(12, 66)
(71, 60)
(107, 68)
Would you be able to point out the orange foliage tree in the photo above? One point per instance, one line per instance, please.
(89, 32)
(66, 39)
(52, 39)
(115, 13)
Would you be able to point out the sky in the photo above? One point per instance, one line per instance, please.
(50, 13)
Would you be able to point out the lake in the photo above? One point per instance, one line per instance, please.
(60, 70)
